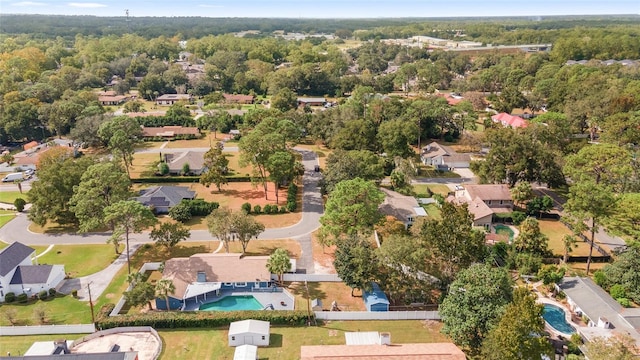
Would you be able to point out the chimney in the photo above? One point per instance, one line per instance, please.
(385, 338)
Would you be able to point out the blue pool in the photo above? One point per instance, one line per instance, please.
(555, 317)
(232, 303)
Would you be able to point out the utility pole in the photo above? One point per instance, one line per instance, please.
(93, 318)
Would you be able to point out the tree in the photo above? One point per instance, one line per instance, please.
(217, 166)
(589, 204)
(625, 271)
(142, 293)
(347, 165)
(282, 167)
(395, 137)
(619, 347)
(121, 134)
(169, 234)
(284, 100)
(568, 244)
(220, 225)
(58, 175)
(279, 263)
(530, 239)
(475, 301)
(519, 335)
(101, 185)
(165, 287)
(452, 242)
(626, 219)
(86, 130)
(601, 164)
(245, 227)
(19, 204)
(539, 205)
(352, 208)
(355, 263)
(127, 217)
(522, 193)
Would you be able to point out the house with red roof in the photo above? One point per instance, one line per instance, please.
(510, 120)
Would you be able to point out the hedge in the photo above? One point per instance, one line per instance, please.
(200, 319)
(183, 179)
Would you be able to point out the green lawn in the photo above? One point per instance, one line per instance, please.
(286, 341)
(60, 310)
(433, 211)
(421, 189)
(5, 218)
(81, 260)
(17, 345)
(555, 231)
(10, 196)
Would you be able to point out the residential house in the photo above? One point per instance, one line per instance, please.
(509, 120)
(162, 198)
(404, 208)
(238, 99)
(375, 299)
(107, 98)
(604, 315)
(420, 351)
(311, 101)
(439, 156)
(170, 99)
(195, 159)
(483, 201)
(18, 274)
(30, 158)
(170, 132)
(249, 332)
(146, 113)
(203, 276)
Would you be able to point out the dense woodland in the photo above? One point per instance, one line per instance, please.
(586, 132)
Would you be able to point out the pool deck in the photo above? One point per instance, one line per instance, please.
(277, 299)
(567, 318)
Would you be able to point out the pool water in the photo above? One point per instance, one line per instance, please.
(231, 303)
(504, 230)
(555, 317)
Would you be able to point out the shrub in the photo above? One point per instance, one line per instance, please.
(267, 209)
(624, 302)
(22, 298)
(518, 217)
(180, 212)
(74, 293)
(618, 291)
(186, 169)
(257, 209)
(600, 278)
(163, 168)
(283, 209)
(291, 206)
(19, 203)
(528, 263)
(246, 207)
(10, 297)
(52, 292)
(43, 294)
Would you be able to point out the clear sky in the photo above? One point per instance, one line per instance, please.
(321, 8)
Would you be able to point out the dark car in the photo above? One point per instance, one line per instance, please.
(316, 168)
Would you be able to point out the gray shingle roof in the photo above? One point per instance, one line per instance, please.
(165, 195)
(31, 274)
(13, 255)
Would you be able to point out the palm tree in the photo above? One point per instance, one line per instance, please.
(279, 263)
(164, 287)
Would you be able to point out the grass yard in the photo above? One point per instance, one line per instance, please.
(433, 211)
(555, 231)
(143, 165)
(286, 341)
(10, 196)
(5, 218)
(17, 345)
(327, 292)
(205, 142)
(63, 309)
(81, 260)
(421, 189)
(429, 172)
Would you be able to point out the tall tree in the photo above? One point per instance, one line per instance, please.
(164, 288)
(474, 303)
(220, 225)
(279, 263)
(601, 164)
(626, 219)
(347, 165)
(217, 166)
(625, 271)
(530, 239)
(142, 293)
(395, 137)
(352, 208)
(121, 134)
(129, 217)
(169, 234)
(355, 263)
(245, 227)
(522, 193)
(101, 185)
(283, 167)
(519, 335)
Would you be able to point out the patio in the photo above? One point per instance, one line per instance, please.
(272, 296)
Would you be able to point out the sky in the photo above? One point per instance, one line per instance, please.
(321, 8)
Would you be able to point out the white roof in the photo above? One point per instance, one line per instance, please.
(195, 289)
(246, 352)
(420, 211)
(249, 326)
(362, 338)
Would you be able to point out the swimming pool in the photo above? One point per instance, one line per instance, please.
(504, 230)
(555, 317)
(232, 303)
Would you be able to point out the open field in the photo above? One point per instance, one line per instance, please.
(10, 196)
(286, 341)
(81, 260)
(555, 231)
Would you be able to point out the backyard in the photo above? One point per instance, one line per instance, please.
(555, 231)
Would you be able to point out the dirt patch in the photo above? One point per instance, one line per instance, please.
(322, 256)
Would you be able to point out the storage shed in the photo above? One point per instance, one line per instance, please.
(249, 332)
(246, 352)
(375, 299)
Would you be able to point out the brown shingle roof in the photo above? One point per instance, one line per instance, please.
(397, 205)
(430, 351)
(489, 191)
(195, 159)
(217, 267)
(169, 131)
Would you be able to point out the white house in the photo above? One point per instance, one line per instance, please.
(249, 332)
(18, 274)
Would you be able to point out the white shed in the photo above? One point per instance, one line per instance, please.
(246, 352)
(249, 332)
